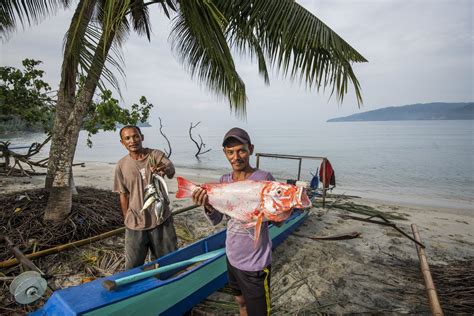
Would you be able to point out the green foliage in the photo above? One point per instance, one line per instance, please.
(106, 113)
(25, 97)
(25, 100)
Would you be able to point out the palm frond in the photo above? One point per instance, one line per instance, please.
(26, 12)
(73, 43)
(140, 18)
(296, 42)
(112, 61)
(198, 38)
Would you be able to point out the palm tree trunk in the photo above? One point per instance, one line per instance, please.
(60, 197)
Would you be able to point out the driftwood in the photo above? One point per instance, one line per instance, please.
(22, 161)
(168, 153)
(199, 145)
(332, 237)
(385, 222)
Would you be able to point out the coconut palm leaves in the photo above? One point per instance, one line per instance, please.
(280, 33)
(26, 12)
(199, 40)
(295, 42)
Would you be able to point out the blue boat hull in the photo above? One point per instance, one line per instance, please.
(171, 294)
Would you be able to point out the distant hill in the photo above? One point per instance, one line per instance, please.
(420, 111)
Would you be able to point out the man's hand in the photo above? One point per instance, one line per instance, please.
(200, 198)
(160, 170)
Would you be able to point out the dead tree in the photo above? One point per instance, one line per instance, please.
(22, 161)
(199, 145)
(168, 153)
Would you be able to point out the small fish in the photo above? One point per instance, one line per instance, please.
(250, 201)
(156, 192)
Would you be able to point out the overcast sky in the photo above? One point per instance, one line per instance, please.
(418, 52)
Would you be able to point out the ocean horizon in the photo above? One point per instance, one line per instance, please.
(419, 162)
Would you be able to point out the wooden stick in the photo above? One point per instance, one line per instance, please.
(21, 257)
(425, 270)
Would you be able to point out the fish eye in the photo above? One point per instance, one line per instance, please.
(279, 191)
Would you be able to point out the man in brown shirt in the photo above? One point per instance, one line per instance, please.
(132, 174)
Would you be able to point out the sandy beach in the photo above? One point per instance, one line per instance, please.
(375, 273)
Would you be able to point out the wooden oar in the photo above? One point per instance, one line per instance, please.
(113, 284)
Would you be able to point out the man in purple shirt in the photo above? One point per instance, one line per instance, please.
(248, 266)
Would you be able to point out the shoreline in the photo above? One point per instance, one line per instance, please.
(100, 175)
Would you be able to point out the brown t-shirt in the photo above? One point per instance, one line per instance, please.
(132, 177)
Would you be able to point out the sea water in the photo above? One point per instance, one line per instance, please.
(421, 162)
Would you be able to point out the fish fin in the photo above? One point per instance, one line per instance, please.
(258, 227)
(185, 188)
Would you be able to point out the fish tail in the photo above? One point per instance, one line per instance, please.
(185, 188)
(258, 227)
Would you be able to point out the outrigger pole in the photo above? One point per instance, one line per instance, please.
(425, 270)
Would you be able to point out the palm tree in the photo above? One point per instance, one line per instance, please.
(204, 34)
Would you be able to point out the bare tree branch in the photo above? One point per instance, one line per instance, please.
(19, 160)
(200, 145)
(168, 153)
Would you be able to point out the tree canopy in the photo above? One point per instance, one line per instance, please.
(27, 101)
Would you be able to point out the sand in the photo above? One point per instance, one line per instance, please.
(377, 272)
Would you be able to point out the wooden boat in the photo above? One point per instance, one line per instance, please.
(172, 293)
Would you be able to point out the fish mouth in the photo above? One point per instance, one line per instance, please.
(302, 199)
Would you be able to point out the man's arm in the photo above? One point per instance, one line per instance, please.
(165, 167)
(124, 200)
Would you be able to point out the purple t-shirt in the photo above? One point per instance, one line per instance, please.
(240, 248)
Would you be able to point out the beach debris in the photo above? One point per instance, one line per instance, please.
(385, 222)
(250, 202)
(201, 145)
(30, 285)
(351, 235)
(455, 285)
(94, 212)
(365, 210)
(425, 270)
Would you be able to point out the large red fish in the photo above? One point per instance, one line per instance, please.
(251, 202)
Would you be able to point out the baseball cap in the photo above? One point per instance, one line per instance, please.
(237, 133)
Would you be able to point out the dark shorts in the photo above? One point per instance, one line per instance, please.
(160, 240)
(254, 286)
